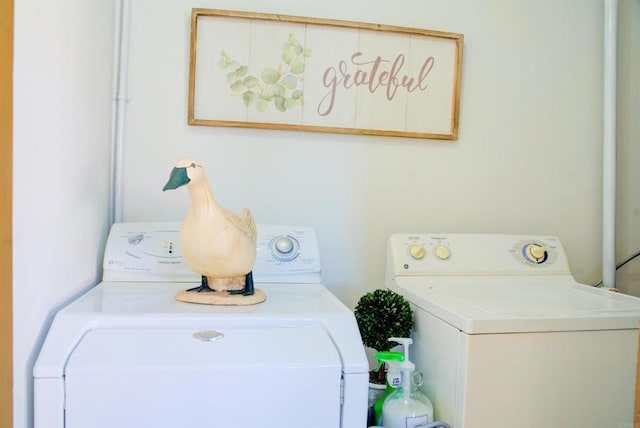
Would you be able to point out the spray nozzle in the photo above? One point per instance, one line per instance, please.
(388, 356)
(405, 342)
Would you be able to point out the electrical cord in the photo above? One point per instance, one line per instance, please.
(619, 265)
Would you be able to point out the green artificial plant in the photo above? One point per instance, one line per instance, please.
(382, 314)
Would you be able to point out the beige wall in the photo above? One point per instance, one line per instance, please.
(61, 146)
(528, 159)
(6, 115)
(628, 171)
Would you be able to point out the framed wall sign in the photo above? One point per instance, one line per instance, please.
(286, 72)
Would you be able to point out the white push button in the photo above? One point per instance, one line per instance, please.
(208, 335)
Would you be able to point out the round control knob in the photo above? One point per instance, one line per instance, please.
(284, 245)
(417, 251)
(536, 253)
(284, 248)
(442, 252)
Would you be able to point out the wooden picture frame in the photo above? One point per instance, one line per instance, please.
(259, 70)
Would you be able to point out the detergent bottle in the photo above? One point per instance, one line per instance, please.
(393, 379)
(407, 407)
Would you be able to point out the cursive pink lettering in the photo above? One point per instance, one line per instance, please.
(373, 75)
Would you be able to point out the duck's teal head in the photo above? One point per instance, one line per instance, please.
(180, 174)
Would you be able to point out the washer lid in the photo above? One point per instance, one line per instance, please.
(532, 304)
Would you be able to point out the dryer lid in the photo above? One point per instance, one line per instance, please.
(182, 348)
(186, 377)
(521, 304)
(141, 307)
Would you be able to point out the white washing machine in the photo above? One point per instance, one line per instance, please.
(127, 354)
(506, 338)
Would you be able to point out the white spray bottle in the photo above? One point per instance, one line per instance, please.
(407, 407)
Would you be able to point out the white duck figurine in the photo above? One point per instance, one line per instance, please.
(216, 243)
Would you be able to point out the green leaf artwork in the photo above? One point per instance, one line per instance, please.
(277, 85)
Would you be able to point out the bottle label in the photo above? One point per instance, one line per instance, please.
(418, 421)
(394, 379)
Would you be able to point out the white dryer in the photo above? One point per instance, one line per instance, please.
(127, 354)
(506, 338)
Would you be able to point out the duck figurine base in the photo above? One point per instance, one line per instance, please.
(231, 291)
(221, 298)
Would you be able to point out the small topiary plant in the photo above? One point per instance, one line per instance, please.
(382, 314)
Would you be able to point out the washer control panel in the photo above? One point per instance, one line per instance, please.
(475, 254)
